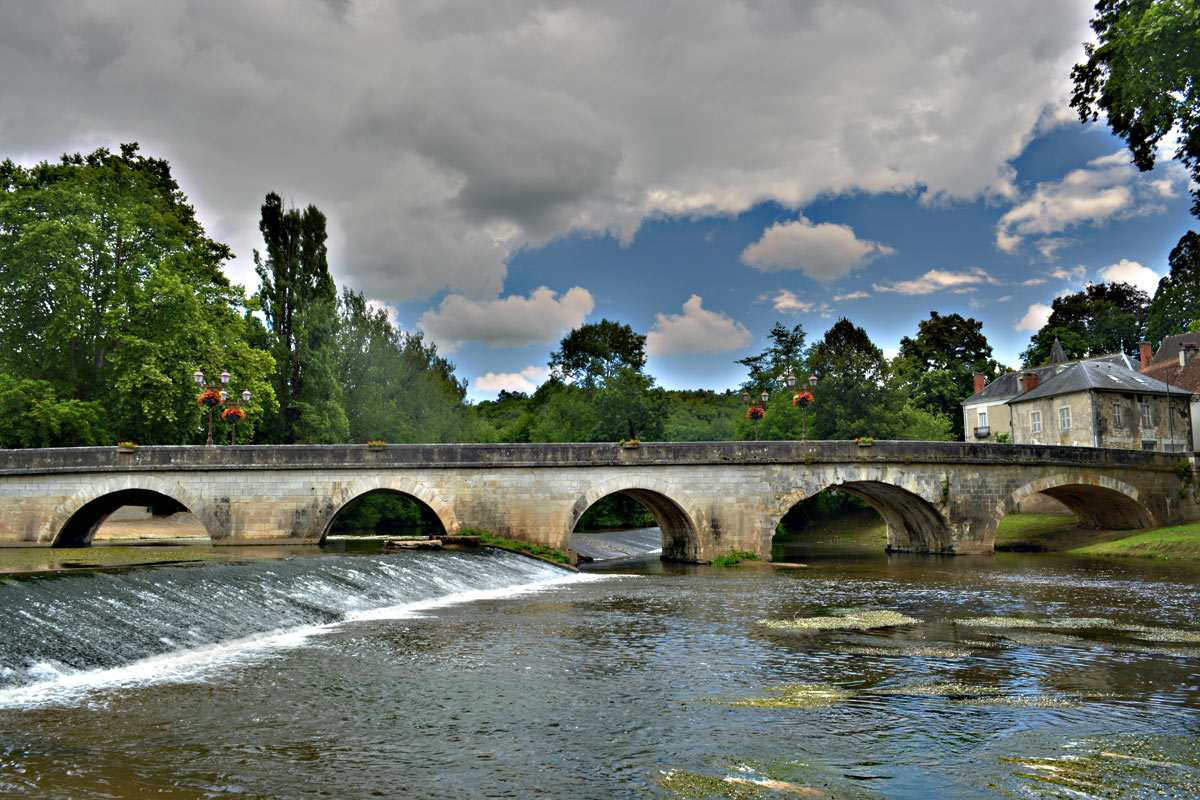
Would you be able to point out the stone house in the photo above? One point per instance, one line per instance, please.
(987, 414)
(1098, 403)
(1176, 364)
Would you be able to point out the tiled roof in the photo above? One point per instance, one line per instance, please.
(1170, 347)
(1098, 376)
(1185, 377)
(1008, 384)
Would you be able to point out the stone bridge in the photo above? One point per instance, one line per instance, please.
(936, 497)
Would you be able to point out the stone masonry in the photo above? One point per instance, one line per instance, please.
(936, 497)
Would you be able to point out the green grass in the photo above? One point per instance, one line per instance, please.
(1034, 532)
(734, 556)
(524, 548)
(1171, 542)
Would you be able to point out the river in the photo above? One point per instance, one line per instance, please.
(483, 674)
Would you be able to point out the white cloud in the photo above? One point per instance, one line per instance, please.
(1035, 317)
(1075, 274)
(787, 301)
(1109, 188)
(441, 137)
(936, 280)
(1050, 246)
(696, 330)
(838, 298)
(389, 311)
(511, 321)
(824, 251)
(526, 380)
(1133, 273)
(1033, 282)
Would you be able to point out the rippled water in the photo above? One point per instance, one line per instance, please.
(486, 675)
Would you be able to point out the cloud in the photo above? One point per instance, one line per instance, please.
(1035, 318)
(1050, 246)
(1109, 188)
(1075, 274)
(1033, 282)
(511, 321)
(440, 138)
(1133, 273)
(787, 301)
(838, 298)
(526, 380)
(936, 280)
(824, 251)
(375, 306)
(696, 330)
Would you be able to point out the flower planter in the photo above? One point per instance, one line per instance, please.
(630, 445)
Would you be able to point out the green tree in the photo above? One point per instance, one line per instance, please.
(1103, 318)
(1176, 304)
(298, 299)
(1144, 75)
(111, 292)
(783, 357)
(32, 416)
(592, 353)
(937, 367)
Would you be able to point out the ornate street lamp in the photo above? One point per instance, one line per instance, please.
(757, 412)
(215, 394)
(803, 400)
(234, 414)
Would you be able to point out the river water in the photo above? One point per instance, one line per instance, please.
(483, 674)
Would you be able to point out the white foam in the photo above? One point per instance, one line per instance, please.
(61, 686)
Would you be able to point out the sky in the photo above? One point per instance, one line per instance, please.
(497, 173)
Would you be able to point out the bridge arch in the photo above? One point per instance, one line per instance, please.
(74, 522)
(1097, 501)
(913, 523)
(676, 519)
(377, 484)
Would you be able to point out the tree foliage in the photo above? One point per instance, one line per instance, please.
(1144, 75)
(1103, 318)
(592, 353)
(783, 356)
(1176, 304)
(112, 294)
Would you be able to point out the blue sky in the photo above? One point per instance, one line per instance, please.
(497, 174)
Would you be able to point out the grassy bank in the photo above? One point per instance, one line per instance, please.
(1171, 542)
(523, 548)
(1049, 533)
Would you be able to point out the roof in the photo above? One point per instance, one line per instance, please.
(1008, 385)
(1170, 347)
(1098, 376)
(1185, 377)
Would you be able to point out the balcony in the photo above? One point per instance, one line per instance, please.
(983, 432)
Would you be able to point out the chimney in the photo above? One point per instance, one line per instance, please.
(980, 381)
(1028, 382)
(1186, 352)
(1144, 354)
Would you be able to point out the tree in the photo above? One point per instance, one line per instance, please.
(298, 298)
(592, 353)
(1103, 318)
(1176, 304)
(1144, 74)
(782, 357)
(111, 292)
(937, 367)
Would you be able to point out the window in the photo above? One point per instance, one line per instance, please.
(983, 419)
(1035, 421)
(1118, 422)
(1064, 418)
(1147, 416)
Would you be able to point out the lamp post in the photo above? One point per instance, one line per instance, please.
(802, 401)
(215, 394)
(234, 414)
(756, 412)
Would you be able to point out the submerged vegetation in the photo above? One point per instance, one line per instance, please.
(733, 557)
(846, 620)
(514, 546)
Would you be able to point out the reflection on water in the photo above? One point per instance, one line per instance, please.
(1012, 676)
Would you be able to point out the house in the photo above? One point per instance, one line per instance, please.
(987, 414)
(1097, 403)
(1176, 364)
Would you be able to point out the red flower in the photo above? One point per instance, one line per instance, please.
(803, 399)
(755, 413)
(232, 414)
(211, 398)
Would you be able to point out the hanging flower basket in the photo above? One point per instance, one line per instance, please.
(803, 400)
(210, 399)
(233, 415)
(755, 413)
(126, 447)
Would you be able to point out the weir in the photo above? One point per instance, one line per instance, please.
(707, 497)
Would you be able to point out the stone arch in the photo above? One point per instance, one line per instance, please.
(383, 482)
(75, 521)
(1097, 501)
(677, 520)
(914, 524)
